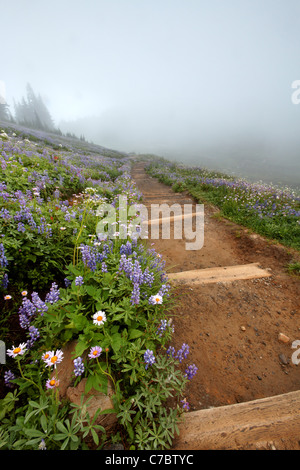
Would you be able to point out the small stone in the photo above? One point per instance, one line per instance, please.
(243, 328)
(283, 338)
(95, 400)
(114, 447)
(283, 359)
(271, 446)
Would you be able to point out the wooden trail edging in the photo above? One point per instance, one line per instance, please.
(240, 425)
(223, 274)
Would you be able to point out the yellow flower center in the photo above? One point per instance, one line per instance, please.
(46, 356)
(17, 350)
(95, 353)
(52, 382)
(53, 359)
(99, 318)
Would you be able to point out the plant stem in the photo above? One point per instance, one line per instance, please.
(106, 373)
(79, 234)
(27, 380)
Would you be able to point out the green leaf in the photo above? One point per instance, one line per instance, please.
(101, 382)
(34, 404)
(95, 436)
(89, 384)
(59, 436)
(79, 321)
(74, 438)
(31, 257)
(34, 433)
(91, 290)
(116, 342)
(43, 421)
(64, 444)
(81, 346)
(130, 431)
(61, 427)
(20, 442)
(133, 334)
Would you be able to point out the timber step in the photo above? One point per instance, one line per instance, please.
(233, 426)
(223, 274)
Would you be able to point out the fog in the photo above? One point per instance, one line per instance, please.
(205, 82)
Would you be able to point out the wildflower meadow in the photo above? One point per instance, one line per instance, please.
(60, 282)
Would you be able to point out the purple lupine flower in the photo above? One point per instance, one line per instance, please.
(162, 328)
(190, 371)
(91, 256)
(137, 273)
(104, 267)
(164, 289)
(56, 194)
(78, 281)
(125, 265)
(34, 334)
(149, 358)
(3, 259)
(126, 249)
(135, 295)
(170, 351)
(183, 352)
(21, 227)
(78, 366)
(26, 311)
(24, 321)
(4, 213)
(5, 281)
(38, 303)
(67, 282)
(185, 404)
(8, 376)
(88, 257)
(148, 277)
(53, 296)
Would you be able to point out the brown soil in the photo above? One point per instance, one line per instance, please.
(232, 328)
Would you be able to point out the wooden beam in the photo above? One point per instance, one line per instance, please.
(223, 274)
(171, 218)
(235, 426)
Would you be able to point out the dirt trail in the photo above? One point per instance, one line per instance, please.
(232, 328)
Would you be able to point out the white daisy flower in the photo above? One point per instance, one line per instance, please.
(156, 299)
(19, 350)
(52, 383)
(54, 358)
(46, 356)
(99, 318)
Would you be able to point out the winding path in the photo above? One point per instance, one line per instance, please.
(233, 299)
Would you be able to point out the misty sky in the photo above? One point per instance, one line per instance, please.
(159, 74)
